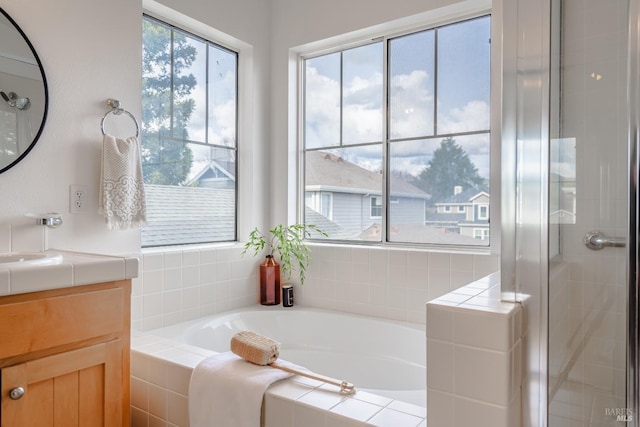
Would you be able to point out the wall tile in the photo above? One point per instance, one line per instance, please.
(440, 366)
(440, 408)
(483, 330)
(152, 261)
(277, 412)
(309, 416)
(473, 413)
(440, 322)
(490, 383)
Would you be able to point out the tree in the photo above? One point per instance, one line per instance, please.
(450, 166)
(166, 104)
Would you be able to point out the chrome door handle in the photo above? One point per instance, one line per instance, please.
(595, 240)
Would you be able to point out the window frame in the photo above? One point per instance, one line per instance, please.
(376, 207)
(494, 131)
(209, 42)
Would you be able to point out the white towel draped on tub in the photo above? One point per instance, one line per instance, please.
(227, 391)
(122, 199)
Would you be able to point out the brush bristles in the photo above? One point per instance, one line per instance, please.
(255, 348)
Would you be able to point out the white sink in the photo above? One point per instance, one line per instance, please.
(25, 259)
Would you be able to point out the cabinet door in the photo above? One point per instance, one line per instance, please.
(79, 388)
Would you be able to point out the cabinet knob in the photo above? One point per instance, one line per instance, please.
(16, 393)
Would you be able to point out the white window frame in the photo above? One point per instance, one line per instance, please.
(441, 16)
(247, 204)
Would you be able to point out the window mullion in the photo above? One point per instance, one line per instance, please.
(386, 206)
(435, 81)
(206, 94)
(172, 82)
(341, 98)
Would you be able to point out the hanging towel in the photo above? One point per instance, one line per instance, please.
(227, 391)
(122, 199)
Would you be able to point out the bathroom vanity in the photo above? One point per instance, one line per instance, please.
(64, 351)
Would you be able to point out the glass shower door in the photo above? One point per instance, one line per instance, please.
(588, 214)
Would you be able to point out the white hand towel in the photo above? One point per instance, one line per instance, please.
(122, 199)
(227, 391)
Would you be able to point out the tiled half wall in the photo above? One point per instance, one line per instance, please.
(183, 284)
(474, 358)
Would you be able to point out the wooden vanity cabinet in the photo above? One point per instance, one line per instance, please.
(64, 357)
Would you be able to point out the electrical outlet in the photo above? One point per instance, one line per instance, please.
(78, 199)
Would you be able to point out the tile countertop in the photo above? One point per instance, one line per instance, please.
(71, 269)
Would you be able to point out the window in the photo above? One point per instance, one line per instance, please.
(483, 212)
(403, 122)
(481, 233)
(189, 137)
(376, 207)
(320, 202)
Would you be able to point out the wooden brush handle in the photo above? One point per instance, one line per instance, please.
(345, 387)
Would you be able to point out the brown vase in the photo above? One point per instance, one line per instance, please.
(270, 282)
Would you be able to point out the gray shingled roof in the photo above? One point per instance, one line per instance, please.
(336, 174)
(416, 233)
(325, 224)
(180, 215)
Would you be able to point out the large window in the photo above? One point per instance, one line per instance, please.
(398, 130)
(189, 137)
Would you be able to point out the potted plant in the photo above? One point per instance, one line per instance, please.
(287, 244)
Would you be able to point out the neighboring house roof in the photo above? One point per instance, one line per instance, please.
(329, 172)
(178, 215)
(325, 224)
(446, 217)
(214, 167)
(465, 196)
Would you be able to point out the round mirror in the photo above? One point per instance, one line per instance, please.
(23, 94)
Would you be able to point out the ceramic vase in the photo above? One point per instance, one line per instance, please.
(270, 290)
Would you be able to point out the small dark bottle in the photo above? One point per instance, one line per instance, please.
(287, 296)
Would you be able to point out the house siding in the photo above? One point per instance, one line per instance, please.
(408, 211)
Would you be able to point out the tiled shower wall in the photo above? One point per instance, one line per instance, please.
(182, 284)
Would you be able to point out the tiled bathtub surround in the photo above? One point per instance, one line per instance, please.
(474, 354)
(183, 284)
(161, 370)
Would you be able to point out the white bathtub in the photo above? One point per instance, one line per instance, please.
(379, 356)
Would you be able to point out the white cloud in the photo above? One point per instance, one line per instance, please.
(411, 113)
(474, 115)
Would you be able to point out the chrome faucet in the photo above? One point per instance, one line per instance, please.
(51, 220)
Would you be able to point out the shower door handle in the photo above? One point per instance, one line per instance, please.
(595, 240)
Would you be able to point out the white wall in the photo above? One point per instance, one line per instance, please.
(90, 51)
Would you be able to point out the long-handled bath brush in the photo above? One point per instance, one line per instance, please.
(264, 351)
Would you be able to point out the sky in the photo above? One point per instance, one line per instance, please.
(461, 96)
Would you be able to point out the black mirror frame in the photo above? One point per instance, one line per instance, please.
(45, 88)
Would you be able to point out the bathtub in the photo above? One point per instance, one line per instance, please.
(379, 356)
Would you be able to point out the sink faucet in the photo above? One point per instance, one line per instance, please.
(51, 220)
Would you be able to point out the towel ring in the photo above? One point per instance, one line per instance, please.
(115, 109)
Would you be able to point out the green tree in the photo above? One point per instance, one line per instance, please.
(166, 104)
(450, 166)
